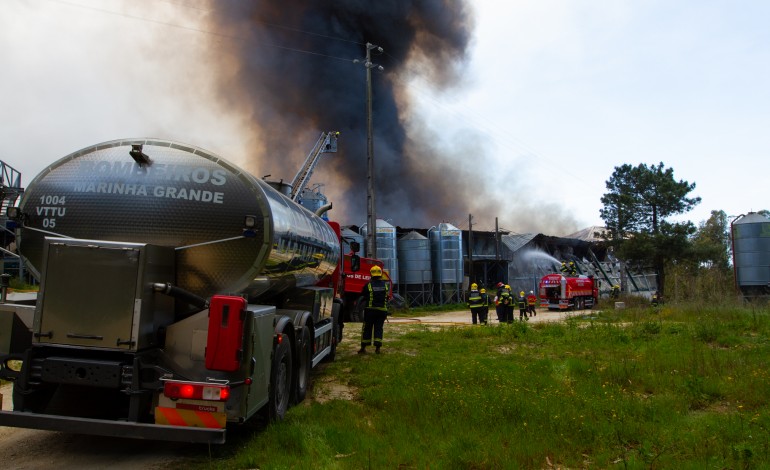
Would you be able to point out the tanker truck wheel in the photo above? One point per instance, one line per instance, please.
(336, 333)
(280, 381)
(304, 359)
(357, 314)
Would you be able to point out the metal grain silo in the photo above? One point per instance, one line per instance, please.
(446, 247)
(386, 247)
(751, 254)
(313, 199)
(415, 271)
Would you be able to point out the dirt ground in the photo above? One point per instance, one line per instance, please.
(463, 317)
(30, 449)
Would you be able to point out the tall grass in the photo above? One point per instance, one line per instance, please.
(674, 387)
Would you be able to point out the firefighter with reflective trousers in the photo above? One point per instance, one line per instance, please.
(531, 303)
(376, 294)
(485, 306)
(505, 305)
(521, 300)
(476, 304)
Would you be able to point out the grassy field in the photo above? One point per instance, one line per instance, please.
(685, 388)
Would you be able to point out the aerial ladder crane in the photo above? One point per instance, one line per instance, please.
(327, 143)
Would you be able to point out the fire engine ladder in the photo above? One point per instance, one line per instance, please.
(327, 143)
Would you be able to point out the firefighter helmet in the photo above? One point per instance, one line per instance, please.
(483, 291)
(521, 293)
(571, 263)
(474, 286)
(508, 287)
(531, 292)
(375, 271)
(499, 285)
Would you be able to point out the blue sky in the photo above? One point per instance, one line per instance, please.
(556, 94)
(566, 90)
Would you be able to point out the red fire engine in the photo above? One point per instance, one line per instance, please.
(559, 292)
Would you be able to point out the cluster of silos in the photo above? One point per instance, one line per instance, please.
(751, 254)
(424, 270)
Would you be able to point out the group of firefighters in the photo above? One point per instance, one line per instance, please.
(505, 303)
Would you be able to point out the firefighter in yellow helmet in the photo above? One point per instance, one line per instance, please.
(521, 300)
(476, 304)
(507, 300)
(531, 302)
(376, 295)
(484, 306)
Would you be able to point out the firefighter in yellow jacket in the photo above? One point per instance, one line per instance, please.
(476, 304)
(376, 294)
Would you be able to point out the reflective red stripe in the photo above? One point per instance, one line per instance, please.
(172, 416)
(207, 419)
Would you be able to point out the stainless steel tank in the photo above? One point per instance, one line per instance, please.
(312, 199)
(751, 253)
(446, 242)
(386, 247)
(414, 259)
(185, 197)
(415, 270)
(446, 247)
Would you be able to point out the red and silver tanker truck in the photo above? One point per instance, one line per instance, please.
(179, 295)
(560, 292)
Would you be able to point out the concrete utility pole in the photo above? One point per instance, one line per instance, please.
(371, 211)
(470, 247)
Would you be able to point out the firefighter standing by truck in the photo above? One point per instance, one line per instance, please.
(375, 311)
(508, 304)
(485, 306)
(476, 304)
(531, 302)
(521, 300)
(499, 307)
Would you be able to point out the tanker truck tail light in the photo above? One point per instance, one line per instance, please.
(196, 391)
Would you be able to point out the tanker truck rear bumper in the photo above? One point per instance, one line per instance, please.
(100, 427)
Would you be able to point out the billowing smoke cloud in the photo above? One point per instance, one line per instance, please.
(294, 76)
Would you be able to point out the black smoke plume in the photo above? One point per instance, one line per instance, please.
(294, 76)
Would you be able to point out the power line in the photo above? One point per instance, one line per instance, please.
(202, 31)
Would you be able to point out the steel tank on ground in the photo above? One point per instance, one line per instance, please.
(171, 194)
(446, 242)
(415, 270)
(751, 254)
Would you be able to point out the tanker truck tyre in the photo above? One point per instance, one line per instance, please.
(357, 314)
(336, 333)
(280, 381)
(304, 360)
